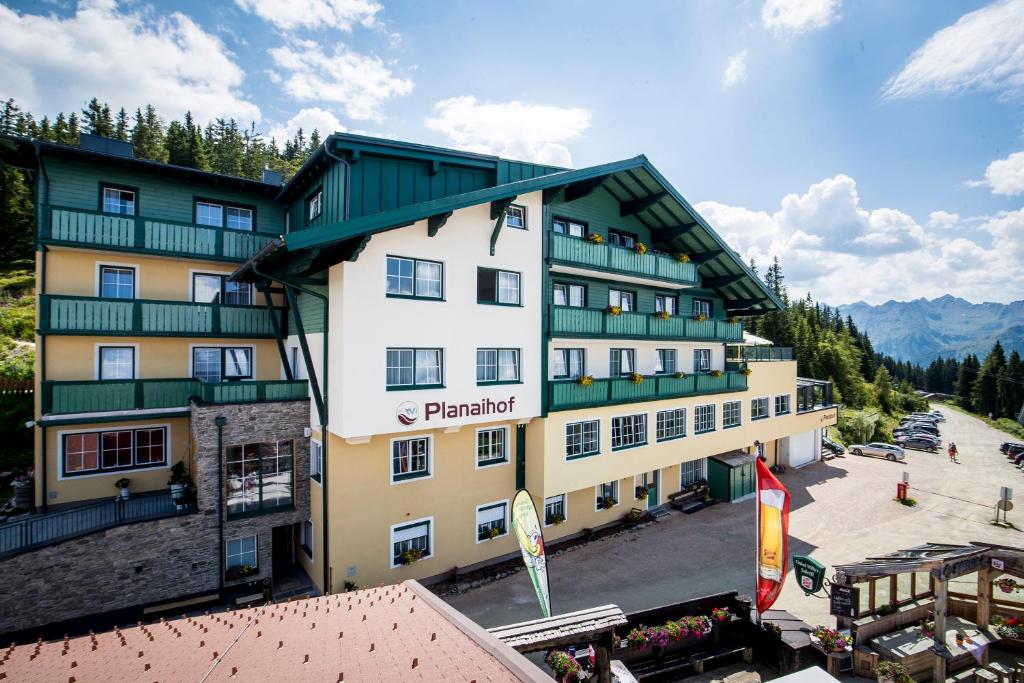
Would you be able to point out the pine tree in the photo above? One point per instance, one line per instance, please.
(148, 135)
(73, 129)
(16, 206)
(1011, 386)
(883, 388)
(964, 388)
(121, 125)
(97, 118)
(8, 116)
(985, 393)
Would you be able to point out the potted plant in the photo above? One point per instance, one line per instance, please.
(831, 640)
(662, 315)
(180, 483)
(640, 248)
(614, 310)
(636, 378)
(122, 485)
(746, 371)
(555, 519)
(700, 317)
(716, 373)
(608, 502)
(490, 534)
(585, 380)
(410, 556)
(892, 672)
(720, 614)
(641, 493)
(679, 375)
(683, 258)
(563, 665)
(240, 571)
(24, 489)
(732, 320)
(1007, 585)
(595, 238)
(635, 516)
(637, 638)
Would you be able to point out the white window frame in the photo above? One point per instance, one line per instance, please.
(599, 491)
(661, 299)
(767, 408)
(714, 419)
(498, 366)
(660, 355)
(622, 353)
(316, 461)
(510, 215)
(98, 360)
(570, 226)
(103, 199)
(700, 353)
(416, 293)
(100, 265)
(679, 419)
(739, 414)
(430, 459)
(568, 288)
(252, 357)
(564, 498)
(429, 521)
(789, 404)
(616, 297)
(582, 425)
(505, 520)
(638, 426)
(120, 472)
(255, 552)
(223, 275)
(315, 200)
(701, 469)
(492, 462)
(566, 354)
(415, 384)
(702, 306)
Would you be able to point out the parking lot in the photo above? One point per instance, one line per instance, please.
(842, 510)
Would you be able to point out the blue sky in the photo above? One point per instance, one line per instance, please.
(870, 145)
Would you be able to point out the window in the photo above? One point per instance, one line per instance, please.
(239, 218)
(703, 419)
(569, 363)
(782, 404)
(219, 215)
(731, 414)
(306, 538)
(217, 364)
(259, 476)
(622, 238)
(117, 282)
(208, 288)
(491, 446)
(98, 452)
(628, 431)
(515, 216)
(491, 521)
(664, 303)
(569, 295)
(621, 362)
(563, 226)
(210, 214)
(606, 495)
(701, 307)
(413, 368)
(117, 362)
(666, 362)
(692, 471)
(410, 538)
(624, 300)
(758, 408)
(702, 360)
(554, 510)
(497, 365)
(670, 424)
(497, 287)
(316, 460)
(410, 458)
(314, 205)
(414, 278)
(582, 439)
(118, 200)
(241, 553)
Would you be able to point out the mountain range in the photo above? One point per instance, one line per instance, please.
(922, 330)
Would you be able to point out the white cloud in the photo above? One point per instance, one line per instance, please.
(1006, 176)
(735, 70)
(531, 132)
(52, 63)
(308, 120)
(790, 17)
(983, 49)
(841, 251)
(361, 83)
(314, 14)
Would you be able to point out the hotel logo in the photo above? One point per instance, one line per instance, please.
(407, 413)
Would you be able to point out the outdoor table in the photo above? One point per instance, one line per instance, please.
(913, 649)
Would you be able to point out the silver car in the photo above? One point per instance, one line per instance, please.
(879, 450)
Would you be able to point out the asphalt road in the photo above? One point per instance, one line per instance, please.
(842, 511)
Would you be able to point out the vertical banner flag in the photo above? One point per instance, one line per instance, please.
(526, 526)
(772, 536)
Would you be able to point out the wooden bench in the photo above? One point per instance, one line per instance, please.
(682, 500)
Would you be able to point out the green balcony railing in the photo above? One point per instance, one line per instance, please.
(94, 396)
(760, 353)
(569, 394)
(92, 315)
(612, 258)
(568, 321)
(96, 229)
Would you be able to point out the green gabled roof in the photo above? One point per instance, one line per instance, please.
(655, 203)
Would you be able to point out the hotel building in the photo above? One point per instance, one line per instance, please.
(358, 368)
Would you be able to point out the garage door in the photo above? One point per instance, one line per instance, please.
(801, 448)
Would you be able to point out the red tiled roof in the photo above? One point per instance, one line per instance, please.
(393, 633)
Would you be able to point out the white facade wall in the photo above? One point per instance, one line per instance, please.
(598, 355)
(365, 322)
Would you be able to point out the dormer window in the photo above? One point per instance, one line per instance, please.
(315, 205)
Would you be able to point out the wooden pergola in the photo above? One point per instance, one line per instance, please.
(943, 562)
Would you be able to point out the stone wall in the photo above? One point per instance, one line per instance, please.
(161, 560)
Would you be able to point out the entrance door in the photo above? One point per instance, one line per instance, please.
(743, 482)
(652, 482)
(283, 550)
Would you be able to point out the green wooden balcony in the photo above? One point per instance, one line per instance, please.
(87, 315)
(93, 396)
(568, 321)
(569, 394)
(610, 258)
(98, 230)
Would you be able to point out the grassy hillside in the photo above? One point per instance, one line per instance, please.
(17, 322)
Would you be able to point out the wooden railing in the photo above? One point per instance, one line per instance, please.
(570, 394)
(92, 315)
(612, 258)
(570, 321)
(96, 229)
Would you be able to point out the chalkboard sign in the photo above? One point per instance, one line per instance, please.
(844, 601)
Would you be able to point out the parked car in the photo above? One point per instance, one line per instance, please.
(1015, 452)
(919, 443)
(923, 427)
(920, 420)
(937, 414)
(1005, 446)
(831, 446)
(898, 435)
(878, 449)
(921, 416)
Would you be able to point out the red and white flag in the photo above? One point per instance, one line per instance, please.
(772, 536)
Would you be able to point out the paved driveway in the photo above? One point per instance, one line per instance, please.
(843, 511)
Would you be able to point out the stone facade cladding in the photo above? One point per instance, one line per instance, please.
(166, 559)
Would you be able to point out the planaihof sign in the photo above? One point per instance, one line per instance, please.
(408, 412)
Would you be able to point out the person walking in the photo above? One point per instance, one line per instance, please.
(953, 453)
